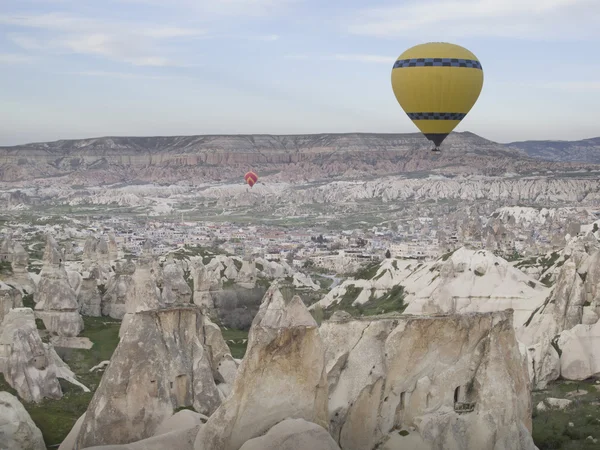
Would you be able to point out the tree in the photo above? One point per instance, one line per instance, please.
(388, 255)
(595, 228)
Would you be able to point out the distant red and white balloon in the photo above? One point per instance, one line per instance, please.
(251, 178)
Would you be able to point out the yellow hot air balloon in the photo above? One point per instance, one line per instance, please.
(436, 85)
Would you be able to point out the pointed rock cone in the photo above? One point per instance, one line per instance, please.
(282, 376)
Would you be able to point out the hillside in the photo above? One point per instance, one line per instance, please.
(586, 150)
(459, 282)
(198, 159)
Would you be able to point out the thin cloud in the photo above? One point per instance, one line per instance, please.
(350, 57)
(365, 58)
(225, 8)
(133, 43)
(14, 58)
(467, 18)
(120, 75)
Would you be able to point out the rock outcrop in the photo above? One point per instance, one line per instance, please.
(293, 434)
(246, 277)
(462, 282)
(113, 247)
(177, 432)
(282, 376)
(13, 252)
(165, 366)
(17, 430)
(117, 288)
(206, 278)
(56, 302)
(9, 298)
(473, 281)
(404, 373)
(24, 359)
(175, 290)
(88, 297)
(142, 294)
(579, 352)
(560, 334)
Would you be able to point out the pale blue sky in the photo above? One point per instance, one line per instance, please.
(86, 68)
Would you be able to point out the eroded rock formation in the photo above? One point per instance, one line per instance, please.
(24, 359)
(441, 377)
(117, 288)
(17, 430)
(56, 302)
(281, 376)
(160, 364)
(9, 298)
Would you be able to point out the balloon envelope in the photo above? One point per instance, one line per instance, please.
(251, 178)
(436, 85)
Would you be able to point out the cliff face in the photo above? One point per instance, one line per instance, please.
(163, 362)
(444, 378)
(89, 161)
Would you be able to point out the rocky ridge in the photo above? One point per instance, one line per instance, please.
(212, 158)
(585, 150)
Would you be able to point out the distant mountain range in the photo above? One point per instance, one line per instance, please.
(200, 159)
(586, 150)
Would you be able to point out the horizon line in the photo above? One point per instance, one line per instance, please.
(286, 134)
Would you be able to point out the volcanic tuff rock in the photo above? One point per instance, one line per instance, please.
(13, 252)
(25, 361)
(9, 298)
(17, 430)
(56, 302)
(282, 376)
(89, 298)
(465, 281)
(163, 358)
(568, 317)
(405, 373)
(293, 434)
(366, 379)
(117, 288)
(175, 289)
(204, 158)
(473, 281)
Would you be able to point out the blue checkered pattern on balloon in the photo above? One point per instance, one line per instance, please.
(437, 62)
(436, 116)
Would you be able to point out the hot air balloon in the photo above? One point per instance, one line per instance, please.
(436, 85)
(251, 178)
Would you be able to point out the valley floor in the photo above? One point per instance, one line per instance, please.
(569, 428)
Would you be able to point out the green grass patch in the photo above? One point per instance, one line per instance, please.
(28, 301)
(237, 346)
(551, 430)
(446, 256)
(393, 301)
(368, 272)
(345, 304)
(5, 268)
(324, 282)
(546, 280)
